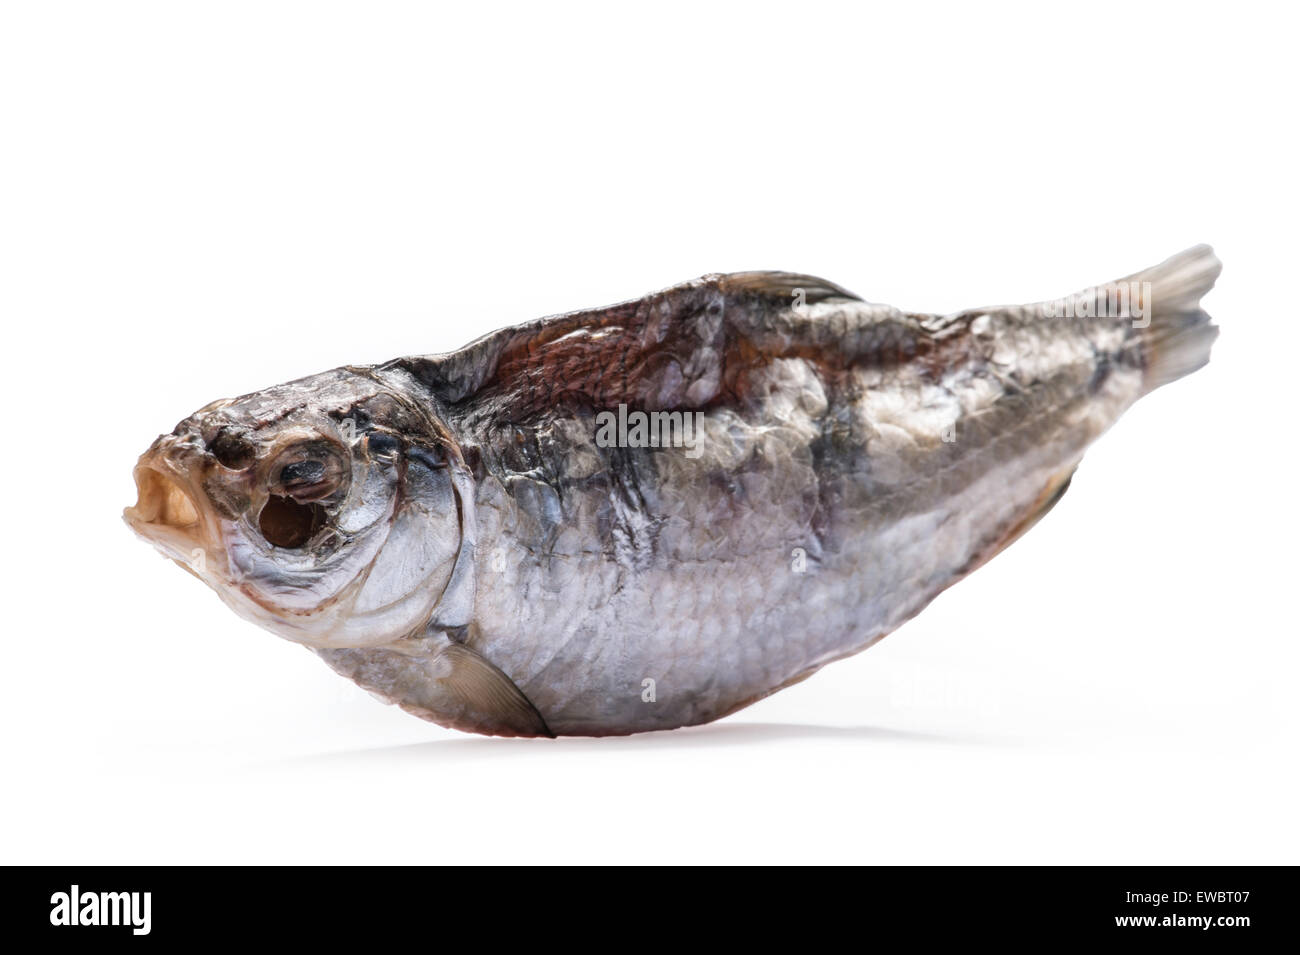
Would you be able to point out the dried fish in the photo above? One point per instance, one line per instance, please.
(653, 514)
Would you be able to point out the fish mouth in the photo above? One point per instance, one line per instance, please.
(166, 513)
(161, 500)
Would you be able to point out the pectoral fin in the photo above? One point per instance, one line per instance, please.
(487, 695)
(448, 683)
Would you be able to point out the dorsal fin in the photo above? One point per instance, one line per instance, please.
(784, 285)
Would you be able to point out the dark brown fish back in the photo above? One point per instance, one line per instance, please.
(682, 348)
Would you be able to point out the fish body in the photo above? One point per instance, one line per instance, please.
(653, 514)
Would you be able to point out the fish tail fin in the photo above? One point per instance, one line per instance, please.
(1174, 333)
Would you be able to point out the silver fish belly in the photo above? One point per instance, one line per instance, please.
(651, 515)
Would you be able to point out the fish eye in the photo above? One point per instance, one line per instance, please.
(287, 523)
(307, 473)
(302, 473)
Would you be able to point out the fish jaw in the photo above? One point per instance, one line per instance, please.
(170, 513)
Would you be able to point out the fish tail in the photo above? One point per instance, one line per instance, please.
(1174, 333)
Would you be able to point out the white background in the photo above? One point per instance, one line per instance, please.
(202, 200)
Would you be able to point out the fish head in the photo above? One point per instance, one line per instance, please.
(329, 510)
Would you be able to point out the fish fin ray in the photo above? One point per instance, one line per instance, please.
(1178, 337)
(784, 285)
(482, 687)
(445, 682)
(1051, 495)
